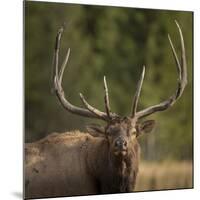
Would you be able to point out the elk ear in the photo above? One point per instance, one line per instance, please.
(146, 126)
(96, 130)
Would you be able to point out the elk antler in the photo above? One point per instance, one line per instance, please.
(182, 81)
(106, 98)
(92, 112)
(137, 93)
(89, 111)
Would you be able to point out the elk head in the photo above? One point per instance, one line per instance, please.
(120, 131)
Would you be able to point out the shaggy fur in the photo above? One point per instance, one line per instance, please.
(75, 163)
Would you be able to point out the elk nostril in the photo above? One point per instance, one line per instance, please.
(121, 143)
(118, 143)
(125, 143)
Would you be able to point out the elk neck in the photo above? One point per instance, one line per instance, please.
(116, 174)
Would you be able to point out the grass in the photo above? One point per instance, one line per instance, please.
(164, 175)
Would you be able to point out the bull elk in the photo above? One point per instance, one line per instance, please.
(103, 160)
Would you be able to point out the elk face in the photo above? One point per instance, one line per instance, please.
(118, 135)
(122, 134)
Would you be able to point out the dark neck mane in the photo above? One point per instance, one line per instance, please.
(115, 174)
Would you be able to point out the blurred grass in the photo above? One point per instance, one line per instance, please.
(164, 175)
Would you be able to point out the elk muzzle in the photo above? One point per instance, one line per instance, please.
(120, 146)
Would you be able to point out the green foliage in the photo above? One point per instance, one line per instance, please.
(115, 42)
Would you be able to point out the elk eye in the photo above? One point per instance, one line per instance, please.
(111, 131)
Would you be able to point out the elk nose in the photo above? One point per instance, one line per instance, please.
(120, 143)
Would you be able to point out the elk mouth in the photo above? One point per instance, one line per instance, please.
(120, 152)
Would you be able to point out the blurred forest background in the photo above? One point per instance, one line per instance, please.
(115, 42)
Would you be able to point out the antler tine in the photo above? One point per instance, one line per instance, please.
(106, 98)
(182, 81)
(92, 109)
(175, 56)
(137, 93)
(63, 66)
(58, 83)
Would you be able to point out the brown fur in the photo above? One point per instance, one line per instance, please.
(75, 163)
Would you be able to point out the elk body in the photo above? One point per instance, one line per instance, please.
(103, 160)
